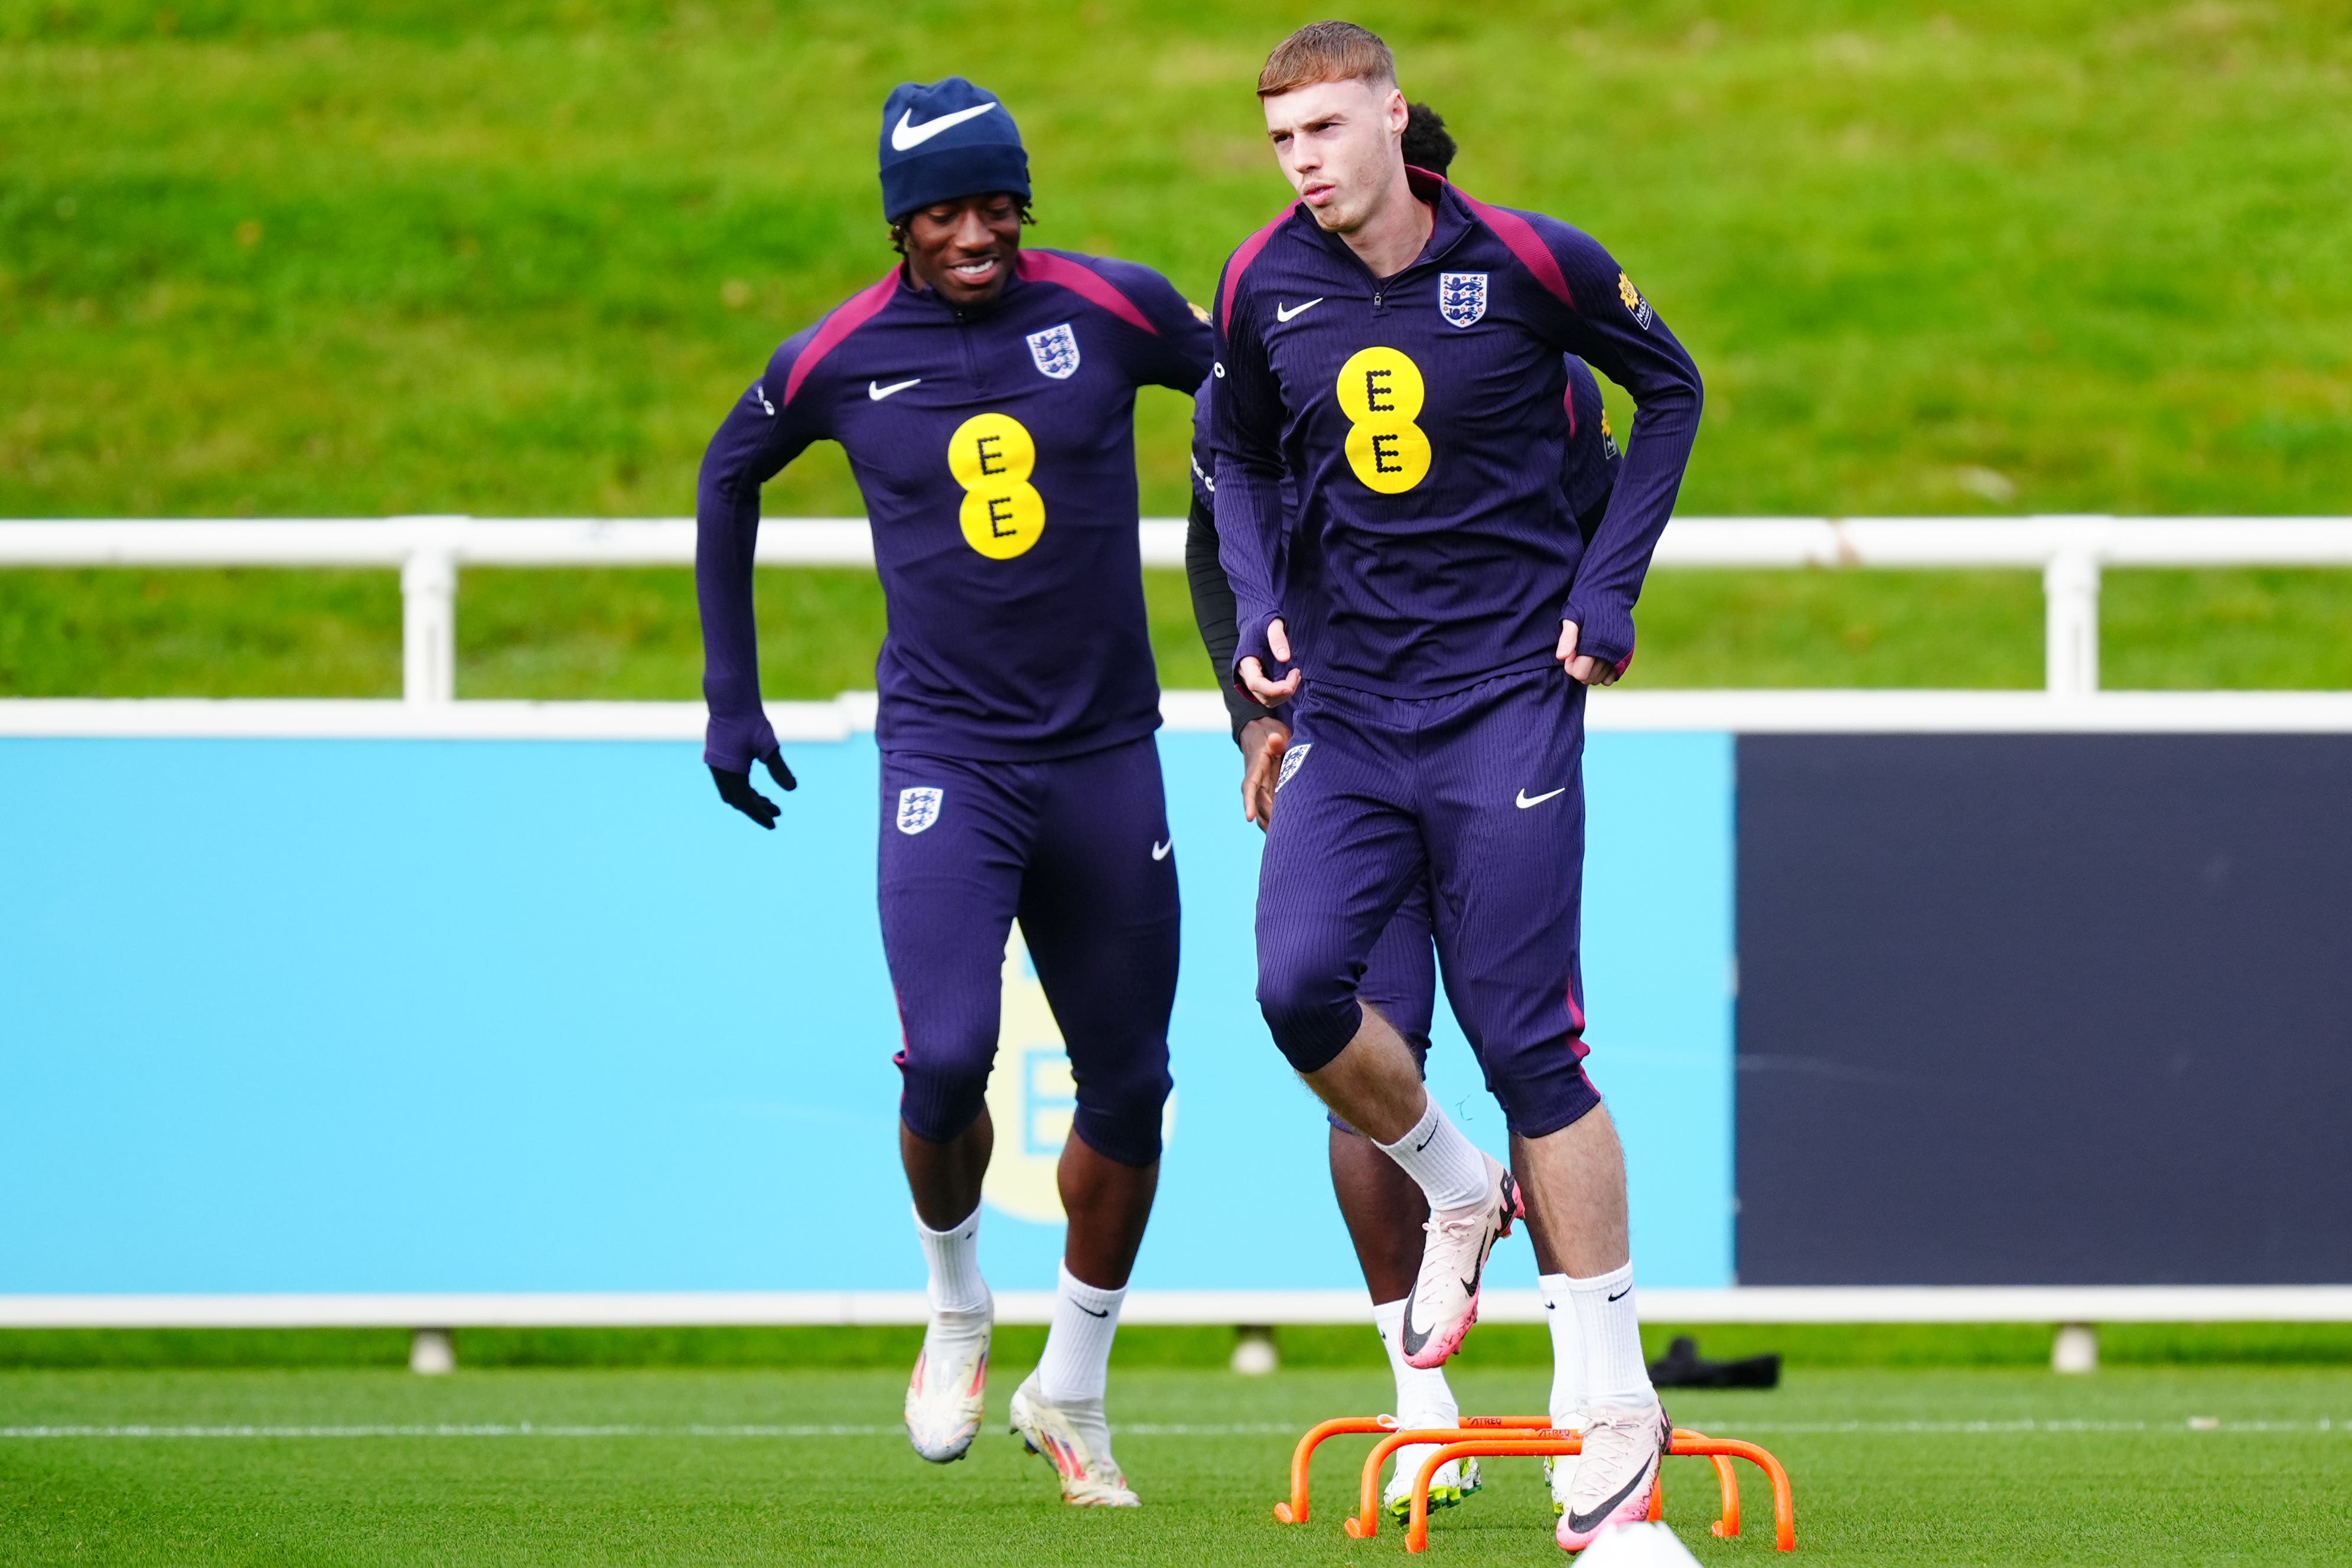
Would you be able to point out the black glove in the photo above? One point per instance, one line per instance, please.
(735, 788)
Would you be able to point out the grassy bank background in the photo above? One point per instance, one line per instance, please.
(515, 257)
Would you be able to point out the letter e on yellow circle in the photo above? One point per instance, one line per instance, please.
(1381, 392)
(992, 456)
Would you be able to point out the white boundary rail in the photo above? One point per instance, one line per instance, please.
(1743, 1304)
(1761, 711)
(2069, 552)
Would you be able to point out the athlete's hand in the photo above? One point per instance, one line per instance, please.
(1583, 667)
(1271, 694)
(735, 788)
(1263, 740)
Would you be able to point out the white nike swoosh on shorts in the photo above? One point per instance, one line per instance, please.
(1282, 315)
(906, 134)
(1526, 800)
(878, 391)
(1160, 852)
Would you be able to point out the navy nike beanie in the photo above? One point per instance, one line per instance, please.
(944, 141)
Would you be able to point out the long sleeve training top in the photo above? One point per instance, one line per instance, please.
(996, 453)
(1420, 422)
(1588, 472)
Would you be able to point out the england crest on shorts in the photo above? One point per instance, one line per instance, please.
(1290, 761)
(1462, 296)
(919, 808)
(1056, 349)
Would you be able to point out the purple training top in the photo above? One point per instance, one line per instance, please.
(1588, 466)
(996, 453)
(1420, 421)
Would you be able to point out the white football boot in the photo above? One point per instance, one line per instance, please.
(1076, 1438)
(947, 1399)
(1452, 1486)
(1622, 1447)
(1444, 1299)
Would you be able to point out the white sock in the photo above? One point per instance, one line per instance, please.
(1424, 1398)
(1614, 1372)
(1566, 1352)
(1449, 1167)
(1076, 1363)
(952, 1257)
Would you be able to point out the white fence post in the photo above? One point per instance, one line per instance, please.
(2070, 587)
(428, 624)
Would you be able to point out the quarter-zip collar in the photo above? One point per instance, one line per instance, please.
(1451, 220)
(932, 299)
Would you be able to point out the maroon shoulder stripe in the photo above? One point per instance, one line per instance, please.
(1525, 244)
(847, 317)
(1041, 267)
(1239, 264)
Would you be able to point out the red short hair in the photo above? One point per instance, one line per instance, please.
(1326, 51)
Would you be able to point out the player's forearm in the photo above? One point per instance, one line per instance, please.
(1214, 612)
(1249, 542)
(727, 532)
(1588, 521)
(1608, 580)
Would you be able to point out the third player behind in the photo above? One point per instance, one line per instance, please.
(1383, 1208)
(1390, 352)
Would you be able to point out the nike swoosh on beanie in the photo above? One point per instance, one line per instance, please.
(906, 135)
(948, 139)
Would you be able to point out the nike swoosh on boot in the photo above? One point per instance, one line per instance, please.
(1412, 1339)
(1580, 1522)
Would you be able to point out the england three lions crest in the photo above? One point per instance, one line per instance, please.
(919, 808)
(1462, 296)
(1291, 760)
(1056, 349)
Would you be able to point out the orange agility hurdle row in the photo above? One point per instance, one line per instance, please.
(1507, 1436)
(1722, 1450)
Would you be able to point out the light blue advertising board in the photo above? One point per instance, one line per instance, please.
(493, 1016)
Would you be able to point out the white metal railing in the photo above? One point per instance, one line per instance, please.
(2069, 552)
(679, 1308)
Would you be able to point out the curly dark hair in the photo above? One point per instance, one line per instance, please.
(1426, 144)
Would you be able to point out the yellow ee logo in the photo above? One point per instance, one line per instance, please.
(1381, 392)
(992, 457)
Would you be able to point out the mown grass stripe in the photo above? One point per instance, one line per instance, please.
(2199, 1425)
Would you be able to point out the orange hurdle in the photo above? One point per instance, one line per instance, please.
(1365, 1523)
(1547, 1441)
(1295, 1510)
(1723, 1450)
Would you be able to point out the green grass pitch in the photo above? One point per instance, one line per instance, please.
(299, 257)
(1892, 1466)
